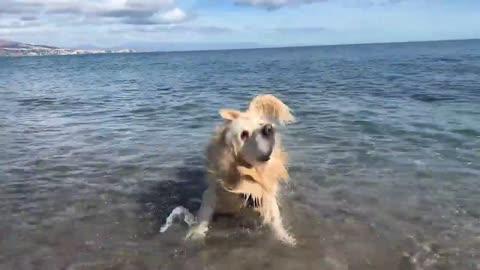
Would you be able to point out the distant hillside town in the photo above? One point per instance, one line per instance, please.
(13, 48)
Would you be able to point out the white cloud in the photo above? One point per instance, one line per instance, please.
(175, 15)
(276, 4)
(101, 11)
(111, 23)
(155, 4)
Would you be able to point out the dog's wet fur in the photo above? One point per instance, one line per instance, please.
(246, 164)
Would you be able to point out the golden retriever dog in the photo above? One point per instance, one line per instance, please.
(246, 164)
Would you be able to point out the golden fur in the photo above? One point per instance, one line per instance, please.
(235, 176)
(230, 176)
(271, 107)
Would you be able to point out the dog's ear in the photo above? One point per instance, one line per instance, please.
(229, 115)
(272, 108)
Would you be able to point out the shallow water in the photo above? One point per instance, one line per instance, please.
(385, 157)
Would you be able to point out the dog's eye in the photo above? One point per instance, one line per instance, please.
(244, 135)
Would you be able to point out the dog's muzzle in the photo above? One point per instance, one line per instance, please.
(268, 134)
(264, 158)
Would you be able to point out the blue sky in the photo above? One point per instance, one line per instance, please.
(193, 24)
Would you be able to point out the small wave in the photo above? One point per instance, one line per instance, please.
(36, 101)
(431, 98)
(468, 132)
(185, 106)
(448, 60)
(166, 88)
(143, 110)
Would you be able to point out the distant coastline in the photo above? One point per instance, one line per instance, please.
(14, 48)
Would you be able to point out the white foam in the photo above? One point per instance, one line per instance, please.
(179, 211)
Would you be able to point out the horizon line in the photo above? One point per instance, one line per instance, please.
(266, 47)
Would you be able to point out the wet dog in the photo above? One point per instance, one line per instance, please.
(246, 164)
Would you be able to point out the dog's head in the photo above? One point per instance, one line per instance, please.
(252, 134)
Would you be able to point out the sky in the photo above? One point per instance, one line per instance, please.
(147, 25)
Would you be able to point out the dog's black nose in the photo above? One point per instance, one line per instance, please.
(267, 130)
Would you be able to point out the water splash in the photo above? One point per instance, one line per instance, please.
(178, 212)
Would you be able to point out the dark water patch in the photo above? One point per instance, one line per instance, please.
(370, 127)
(37, 102)
(164, 89)
(144, 110)
(425, 125)
(73, 102)
(468, 132)
(428, 98)
(447, 60)
(195, 125)
(392, 78)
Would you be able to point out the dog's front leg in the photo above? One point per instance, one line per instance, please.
(274, 219)
(205, 213)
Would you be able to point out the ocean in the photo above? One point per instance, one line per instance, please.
(96, 150)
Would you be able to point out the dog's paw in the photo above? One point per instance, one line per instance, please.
(197, 233)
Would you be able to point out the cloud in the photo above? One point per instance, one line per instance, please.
(127, 13)
(101, 11)
(15, 7)
(28, 18)
(19, 25)
(276, 4)
(209, 30)
(175, 15)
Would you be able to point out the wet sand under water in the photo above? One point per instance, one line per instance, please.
(117, 231)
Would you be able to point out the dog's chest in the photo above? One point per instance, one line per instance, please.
(250, 201)
(232, 203)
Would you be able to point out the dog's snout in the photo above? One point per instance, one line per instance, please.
(264, 158)
(267, 130)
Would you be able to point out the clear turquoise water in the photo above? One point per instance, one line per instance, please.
(385, 157)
